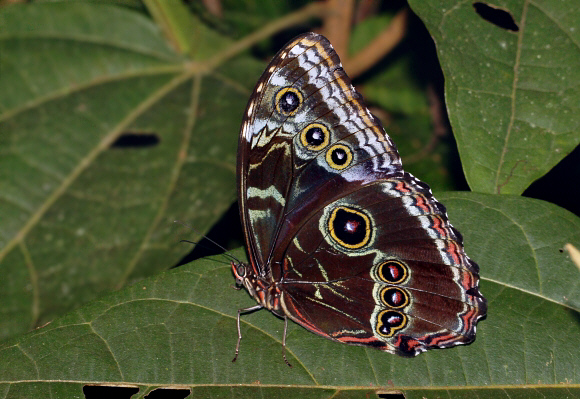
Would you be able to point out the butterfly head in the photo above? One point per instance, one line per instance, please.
(246, 277)
(242, 273)
(265, 293)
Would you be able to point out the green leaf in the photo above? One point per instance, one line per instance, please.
(179, 327)
(394, 88)
(81, 211)
(528, 238)
(513, 96)
(175, 21)
(244, 17)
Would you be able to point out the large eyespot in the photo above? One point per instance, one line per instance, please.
(394, 297)
(338, 156)
(315, 137)
(392, 271)
(288, 100)
(349, 227)
(389, 321)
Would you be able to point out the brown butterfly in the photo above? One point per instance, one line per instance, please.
(340, 238)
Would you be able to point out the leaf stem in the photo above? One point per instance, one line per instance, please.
(173, 18)
(381, 45)
(337, 25)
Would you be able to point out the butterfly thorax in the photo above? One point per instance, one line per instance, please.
(265, 292)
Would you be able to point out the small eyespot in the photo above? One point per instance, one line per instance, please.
(315, 137)
(389, 322)
(339, 156)
(392, 272)
(394, 297)
(288, 100)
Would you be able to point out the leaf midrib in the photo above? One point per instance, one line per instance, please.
(497, 185)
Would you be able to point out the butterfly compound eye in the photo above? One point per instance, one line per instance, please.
(288, 100)
(239, 273)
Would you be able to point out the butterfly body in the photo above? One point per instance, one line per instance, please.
(340, 238)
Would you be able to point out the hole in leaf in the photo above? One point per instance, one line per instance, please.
(167, 393)
(391, 395)
(496, 16)
(102, 391)
(136, 140)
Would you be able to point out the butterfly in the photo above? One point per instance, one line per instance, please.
(341, 240)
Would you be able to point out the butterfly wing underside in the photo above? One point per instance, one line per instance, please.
(360, 250)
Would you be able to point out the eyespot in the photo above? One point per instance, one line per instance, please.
(389, 322)
(392, 272)
(394, 297)
(288, 100)
(349, 227)
(315, 137)
(338, 156)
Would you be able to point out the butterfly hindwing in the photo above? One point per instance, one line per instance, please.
(411, 265)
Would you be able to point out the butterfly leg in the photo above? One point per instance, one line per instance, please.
(240, 311)
(284, 341)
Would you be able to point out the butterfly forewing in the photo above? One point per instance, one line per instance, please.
(344, 241)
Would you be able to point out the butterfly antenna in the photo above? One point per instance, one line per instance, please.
(226, 253)
(228, 256)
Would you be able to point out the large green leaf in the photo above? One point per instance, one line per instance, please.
(179, 328)
(513, 96)
(82, 212)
